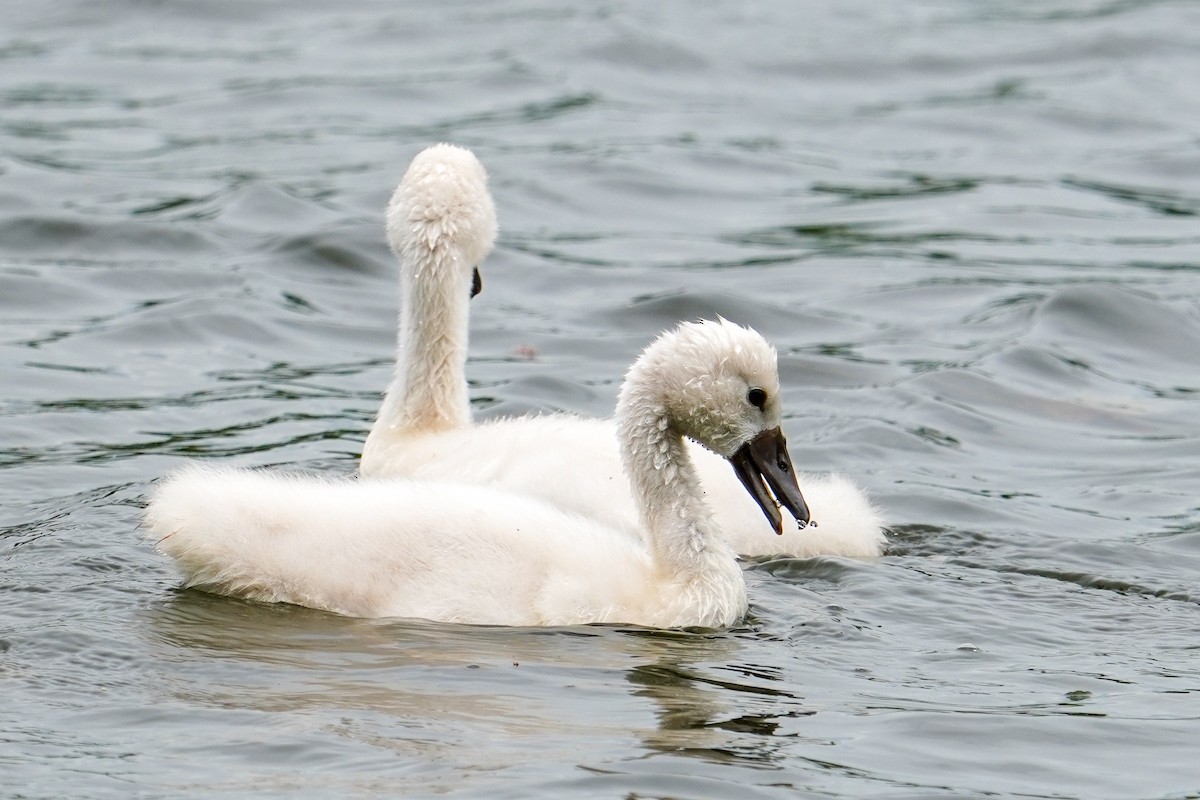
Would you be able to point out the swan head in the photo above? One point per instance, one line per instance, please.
(442, 217)
(717, 383)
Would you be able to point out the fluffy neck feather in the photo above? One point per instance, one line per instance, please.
(441, 223)
(429, 390)
(666, 487)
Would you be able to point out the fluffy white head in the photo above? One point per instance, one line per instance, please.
(716, 382)
(443, 209)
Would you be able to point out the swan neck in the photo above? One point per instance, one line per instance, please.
(429, 390)
(667, 489)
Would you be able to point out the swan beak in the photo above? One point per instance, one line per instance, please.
(764, 462)
(476, 282)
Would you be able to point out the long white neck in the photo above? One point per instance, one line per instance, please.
(441, 223)
(429, 389)
(677, 523)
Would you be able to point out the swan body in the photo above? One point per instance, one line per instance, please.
(464, 553)
(441, 224)
(574, 462)
(384, 548)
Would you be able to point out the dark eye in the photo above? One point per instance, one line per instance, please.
(756, 397)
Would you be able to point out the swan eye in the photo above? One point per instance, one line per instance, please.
(756, 397)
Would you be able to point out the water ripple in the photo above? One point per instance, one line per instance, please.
(974, 248)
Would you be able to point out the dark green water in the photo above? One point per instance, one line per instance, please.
(971, 228)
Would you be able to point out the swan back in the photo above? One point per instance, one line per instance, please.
(439, 551)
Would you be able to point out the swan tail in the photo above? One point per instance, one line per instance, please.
(252, 535)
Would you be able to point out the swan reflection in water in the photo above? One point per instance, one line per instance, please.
(464, 700)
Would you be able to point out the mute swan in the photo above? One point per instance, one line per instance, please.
(472, 554)
(441, 223)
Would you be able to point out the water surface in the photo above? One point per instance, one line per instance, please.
(971, 229)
